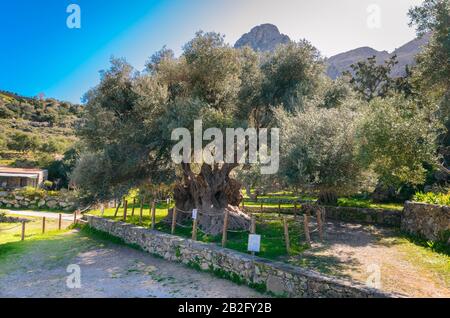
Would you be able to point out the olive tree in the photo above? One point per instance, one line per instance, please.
(319, 150)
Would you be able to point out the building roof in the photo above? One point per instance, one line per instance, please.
(19, 172)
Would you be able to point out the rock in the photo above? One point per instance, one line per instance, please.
(52, 204)
(265, 37)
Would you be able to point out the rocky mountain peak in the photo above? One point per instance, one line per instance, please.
(264, 37)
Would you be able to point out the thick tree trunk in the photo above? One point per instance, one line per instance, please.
(212, 192)
(327, 197)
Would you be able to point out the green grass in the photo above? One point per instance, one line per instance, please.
(271, 201)
(272, 240)
(12, 232)
(367, 203)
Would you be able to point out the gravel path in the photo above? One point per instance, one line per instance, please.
(107, 270)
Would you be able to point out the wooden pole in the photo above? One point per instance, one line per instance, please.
(253, 227)
(279, 209)
(253, 224)
(262, 208)
(102, 209)
(59, 221)
(153, 214)
(286, 234)
(319, 223)
(174, 219)
(125, 208)
(194, 230)
(75, 217)
(141, 211)
(134, 203)
(225, 229)
(306, 228)
(43, 225)
(117, 208)
(23, 230)
(295, 210)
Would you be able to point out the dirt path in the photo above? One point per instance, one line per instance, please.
(356, 251)
(107, 270)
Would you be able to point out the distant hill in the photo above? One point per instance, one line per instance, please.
(405, 55)
(47, 124)
(262, 38)
(266, 37)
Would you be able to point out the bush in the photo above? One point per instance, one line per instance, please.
(433, 198)
(30, 192)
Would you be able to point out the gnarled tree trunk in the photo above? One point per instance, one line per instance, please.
(212, 192)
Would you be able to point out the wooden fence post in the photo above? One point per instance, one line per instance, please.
(262, 208)
(134, 203)
(286, 234)
(279, 209)
(306, 228)
(295, 210)
(194, 230)
(225, 229)
(153, 214)
(253, 224)
(319, 223)
(141, 211)
(102, 209)
(174, 219)
(23, 230)
(43, 225)
(253, 227)
(59, 221)
(117, 208)
(125, 208)
(75, 217)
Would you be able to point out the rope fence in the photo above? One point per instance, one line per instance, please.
(300, 220)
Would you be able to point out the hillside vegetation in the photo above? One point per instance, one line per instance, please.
(35, 132)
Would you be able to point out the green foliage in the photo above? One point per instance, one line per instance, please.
(291, 74)
(318, 148)
(31, 192)
(23, 142)
(433, 198)
(371, 80)
(396, 139)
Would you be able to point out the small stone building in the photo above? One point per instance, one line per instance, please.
(14, 178)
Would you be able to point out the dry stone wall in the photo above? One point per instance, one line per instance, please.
(274, 277)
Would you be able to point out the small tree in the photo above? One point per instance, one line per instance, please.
(371, 80)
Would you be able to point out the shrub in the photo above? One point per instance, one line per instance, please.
(30, 192)
(433, 198)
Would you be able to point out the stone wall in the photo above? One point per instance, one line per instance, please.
(64, 201)
(347, 214)
(275, 277)
(364, 215)
(427, 220)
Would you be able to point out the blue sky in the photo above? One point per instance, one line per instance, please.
(39, 53)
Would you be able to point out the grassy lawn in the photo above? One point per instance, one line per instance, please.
(11, 232)
(271, 231)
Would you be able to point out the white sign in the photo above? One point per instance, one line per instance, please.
(194, 214)
(254, 243)
(168, 200)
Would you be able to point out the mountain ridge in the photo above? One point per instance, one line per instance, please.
(266, 37)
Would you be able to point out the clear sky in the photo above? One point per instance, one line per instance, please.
(39, 53)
